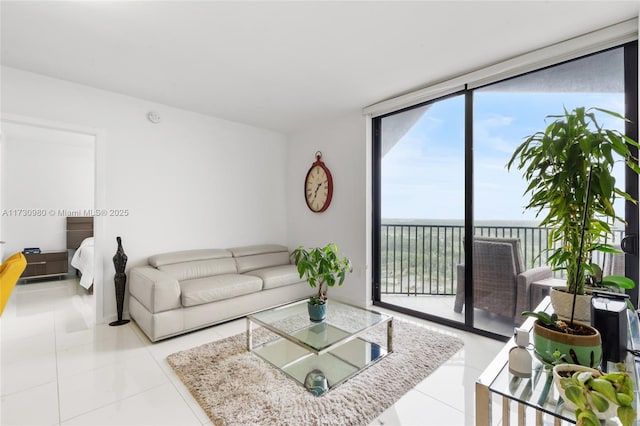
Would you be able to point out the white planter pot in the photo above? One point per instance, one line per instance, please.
(562, 301)
(610, 413)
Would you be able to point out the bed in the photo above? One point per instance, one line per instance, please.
(80, 239)
(82, 260)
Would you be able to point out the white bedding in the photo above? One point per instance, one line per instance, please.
(82, 260)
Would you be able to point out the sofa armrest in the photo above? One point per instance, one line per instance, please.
(155, 290)
(523, 297)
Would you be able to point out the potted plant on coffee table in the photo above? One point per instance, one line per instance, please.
(568, 167)
(322, 268)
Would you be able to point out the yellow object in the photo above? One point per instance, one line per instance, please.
(10, 271)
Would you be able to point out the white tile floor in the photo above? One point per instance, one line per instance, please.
(442, 306)
(59, 368)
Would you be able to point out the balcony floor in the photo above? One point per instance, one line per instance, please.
(442, 306)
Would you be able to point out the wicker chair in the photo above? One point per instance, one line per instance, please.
(501, 281)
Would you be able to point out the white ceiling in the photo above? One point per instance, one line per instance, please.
(282, 65)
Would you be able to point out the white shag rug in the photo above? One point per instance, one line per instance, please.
(235, 387)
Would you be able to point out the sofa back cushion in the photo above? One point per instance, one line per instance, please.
(250, 258)
(192, 264)
(212, 289)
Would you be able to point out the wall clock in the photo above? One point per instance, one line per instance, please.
(318, 186)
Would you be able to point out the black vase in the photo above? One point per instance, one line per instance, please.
(120, 262)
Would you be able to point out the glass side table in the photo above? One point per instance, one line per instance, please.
(536, 398)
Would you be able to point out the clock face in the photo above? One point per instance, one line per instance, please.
(318, 187)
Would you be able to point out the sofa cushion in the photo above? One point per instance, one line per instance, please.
(209, 289)
(277, 276)
(187, 256)
(251, 258)
(261, 261)
(200, 268)
(257, 249)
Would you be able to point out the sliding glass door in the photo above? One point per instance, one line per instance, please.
(422, 206)
(504, 114)
(440, 168)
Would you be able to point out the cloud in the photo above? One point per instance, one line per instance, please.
(491, 134)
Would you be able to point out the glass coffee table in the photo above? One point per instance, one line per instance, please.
(320, 355)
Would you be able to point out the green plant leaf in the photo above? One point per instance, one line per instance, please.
(600, 403)
(583, 376)
(618, 281)
(604, 387)
(565, 381)
(574, 394)
(612, 113)
(586, 418)
(624, 399)
(627, 415)
(542, 316)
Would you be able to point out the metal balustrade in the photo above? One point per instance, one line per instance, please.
(422, 259)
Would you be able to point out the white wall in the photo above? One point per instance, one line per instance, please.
(346, 222)
(47, 172)
(190, 182)
(2, 231)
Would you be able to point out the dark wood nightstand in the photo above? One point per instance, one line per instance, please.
(46, 264)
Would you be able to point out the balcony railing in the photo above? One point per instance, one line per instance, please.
(423, 259)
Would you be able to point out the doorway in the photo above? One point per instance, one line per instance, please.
(48, 173)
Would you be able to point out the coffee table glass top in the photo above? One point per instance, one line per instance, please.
(320, 355)
(342, 323)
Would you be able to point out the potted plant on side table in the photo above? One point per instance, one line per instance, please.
(576, 342)
(568, 167)
(573, 352)
(595, 395)
(322, 268)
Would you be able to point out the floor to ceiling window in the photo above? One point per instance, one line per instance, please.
(422, 204)
(440, 168)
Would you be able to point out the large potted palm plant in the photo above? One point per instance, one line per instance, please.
(568, 167)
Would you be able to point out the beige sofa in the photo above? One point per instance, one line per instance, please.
(187, 290)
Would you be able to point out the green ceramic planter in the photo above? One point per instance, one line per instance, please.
(317, 313)
(582, 350)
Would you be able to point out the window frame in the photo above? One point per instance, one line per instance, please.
(630, 46)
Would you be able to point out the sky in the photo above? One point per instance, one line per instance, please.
(423, 174)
